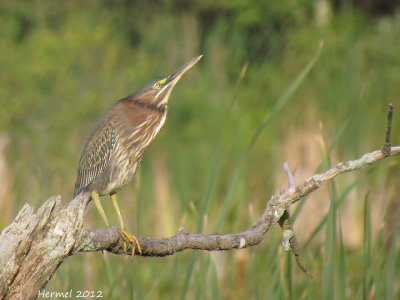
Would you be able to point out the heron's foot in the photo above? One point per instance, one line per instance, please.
(130, 238)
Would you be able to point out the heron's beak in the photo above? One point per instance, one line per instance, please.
(175, 76)
(161, 98)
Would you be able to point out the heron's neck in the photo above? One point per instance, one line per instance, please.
(160, 108)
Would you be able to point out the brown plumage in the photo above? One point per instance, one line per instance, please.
(116, 145)
(118, 140)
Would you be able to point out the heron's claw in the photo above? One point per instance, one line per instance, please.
(130, 238)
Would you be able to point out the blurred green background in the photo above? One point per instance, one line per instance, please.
(63, 63)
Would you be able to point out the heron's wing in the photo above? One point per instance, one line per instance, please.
(97, 153)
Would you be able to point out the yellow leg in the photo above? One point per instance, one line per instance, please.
(96, 199)
(125, 235)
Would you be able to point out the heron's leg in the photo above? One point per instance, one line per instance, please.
(125, 235)
(96, 199)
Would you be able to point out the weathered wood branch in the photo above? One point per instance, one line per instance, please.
(35, 244)
(108, 239)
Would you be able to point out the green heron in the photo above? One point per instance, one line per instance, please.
(115, 147)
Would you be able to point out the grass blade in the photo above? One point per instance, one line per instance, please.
(323, 221)
(341, 266)
(367, 244)
(275, 110)
(330, 251)
(392, 261)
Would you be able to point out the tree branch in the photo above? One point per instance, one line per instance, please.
(35, 244)
(387, 145)
(289, 241)
(108, 239)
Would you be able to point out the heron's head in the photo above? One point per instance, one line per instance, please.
(157, 92)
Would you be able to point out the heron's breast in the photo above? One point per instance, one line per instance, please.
(130, 148)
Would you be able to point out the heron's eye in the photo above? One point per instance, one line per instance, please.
(159, 83)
